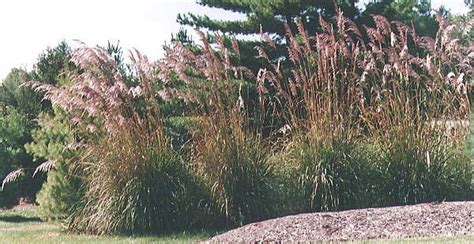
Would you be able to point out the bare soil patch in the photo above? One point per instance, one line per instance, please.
(422, 220)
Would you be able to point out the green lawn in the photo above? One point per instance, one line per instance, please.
(22, 225)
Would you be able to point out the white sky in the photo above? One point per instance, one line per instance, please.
(27, 27)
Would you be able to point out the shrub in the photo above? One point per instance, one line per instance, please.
(179, 130)
(9, 196)
(421, 166)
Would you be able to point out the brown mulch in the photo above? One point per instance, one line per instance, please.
(422, 220)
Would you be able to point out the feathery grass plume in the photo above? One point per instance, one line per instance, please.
(13, 176)
(101, 99)
(45, 166)
(229, 156)
(101, 93)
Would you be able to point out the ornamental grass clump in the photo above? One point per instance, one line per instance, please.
(229, 154)
(336, 175)
(235, 168)
(136, 187)
(327, 174)
(419, 166)
(370, 83)
(133, 181)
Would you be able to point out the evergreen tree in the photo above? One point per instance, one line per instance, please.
(19, 109)
(51, 141)
(19, 106)
(268, 15)
(52, 63)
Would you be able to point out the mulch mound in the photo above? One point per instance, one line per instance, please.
(422, 220)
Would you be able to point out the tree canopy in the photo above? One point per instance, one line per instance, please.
(267, 14)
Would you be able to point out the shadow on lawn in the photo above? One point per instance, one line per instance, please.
(19, 219)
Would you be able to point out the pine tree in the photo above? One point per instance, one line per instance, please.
(19, 108)
(51, 142)
(268, 15)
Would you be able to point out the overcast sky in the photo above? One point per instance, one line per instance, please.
(27, 27)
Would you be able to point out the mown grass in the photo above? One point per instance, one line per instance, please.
(22, 225)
